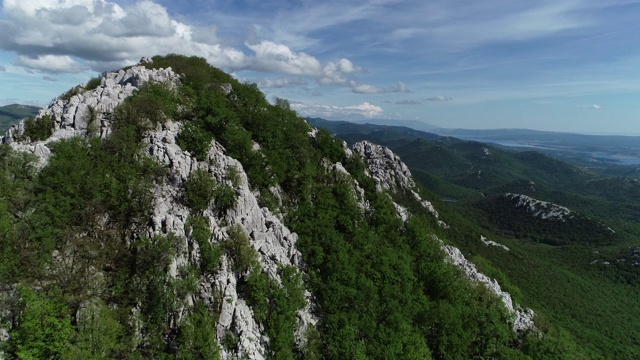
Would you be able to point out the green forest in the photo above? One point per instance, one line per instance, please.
(79, 279)
(578, 274)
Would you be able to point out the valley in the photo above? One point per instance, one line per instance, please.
(188, 217)
(578, 268)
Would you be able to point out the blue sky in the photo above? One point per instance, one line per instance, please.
(560, 65)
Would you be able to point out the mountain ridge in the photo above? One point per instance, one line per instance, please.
(243, 234)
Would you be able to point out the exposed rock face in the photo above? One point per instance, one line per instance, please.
(273, 241)
(523, 318)
(540, 209)
(493, 243)
(90, 113)
(88, 110)
(385, 167)
(391, 174)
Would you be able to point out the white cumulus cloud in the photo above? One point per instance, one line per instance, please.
(50, 63)
(103, 34)
(272, 57)
(364, 110)
(73, 35)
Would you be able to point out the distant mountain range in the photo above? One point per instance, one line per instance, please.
(586, 150)
(562, 234)
(10, 114)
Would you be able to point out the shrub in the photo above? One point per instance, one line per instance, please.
(233, 175)
(211, 255)
(97, 337)
(194, 139)
(151, 103)
(44, 326)
(38, 129)
(70, 93)
(199, 190)
(93, 83)
(225, 197)
(239, 250)
(197, 339)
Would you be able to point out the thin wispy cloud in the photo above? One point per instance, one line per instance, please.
(280, 83)
(408, 102)
(498, 54)
(439, 98)
(364, 110)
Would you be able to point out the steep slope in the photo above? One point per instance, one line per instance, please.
(527, 218)
(578, 274)
(177, 214)
(392, 175)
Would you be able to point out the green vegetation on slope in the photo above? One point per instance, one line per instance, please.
(72, 238)
(583, 291)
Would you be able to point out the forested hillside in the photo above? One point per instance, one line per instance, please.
(168, 211)
(572, 233)
(11, 114)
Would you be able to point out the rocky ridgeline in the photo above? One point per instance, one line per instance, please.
(89, 113)
(523, 318)
(540, 209)
(271, 239)
(80, 109)
(391, 174)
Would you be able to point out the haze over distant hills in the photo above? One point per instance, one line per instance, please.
(590, 150)
(565, 231)
(10, 114)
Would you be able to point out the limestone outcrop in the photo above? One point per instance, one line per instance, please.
(540, 209)
(89, 113)
(82, 111)
(391, 174)
(523, 318)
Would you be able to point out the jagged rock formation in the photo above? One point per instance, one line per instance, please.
(523, 318)
(390, 173)
(89, 113)
(385, 167)
(541, 209)
(271, 239)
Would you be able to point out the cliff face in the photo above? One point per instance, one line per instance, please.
(273, 242)
(391, 174)
(90, 114)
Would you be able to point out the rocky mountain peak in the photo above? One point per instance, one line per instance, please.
(214, 255)
(82, 111)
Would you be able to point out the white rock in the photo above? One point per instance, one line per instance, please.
(493, 243)
(71, 117)
(523, 318)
